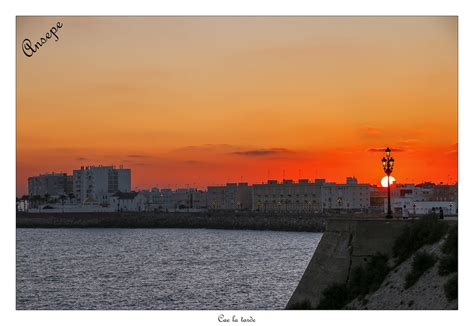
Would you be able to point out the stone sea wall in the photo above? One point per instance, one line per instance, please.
(211, 220)
(346, 244)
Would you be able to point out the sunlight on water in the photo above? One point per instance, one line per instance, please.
(159, 268)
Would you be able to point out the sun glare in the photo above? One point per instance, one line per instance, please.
(384, 181)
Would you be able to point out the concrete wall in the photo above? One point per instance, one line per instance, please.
(346, 244)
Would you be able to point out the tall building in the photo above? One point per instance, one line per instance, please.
(53, 184)
(97, 183)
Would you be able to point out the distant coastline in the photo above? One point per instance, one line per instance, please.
(209, 220)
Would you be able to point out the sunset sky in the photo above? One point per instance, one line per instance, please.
(196, 101)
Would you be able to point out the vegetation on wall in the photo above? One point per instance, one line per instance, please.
(367, 279)
(421, 263)
(426, 230)
(363, 280)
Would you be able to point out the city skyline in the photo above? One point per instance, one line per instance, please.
(242, 181)
(210, 100)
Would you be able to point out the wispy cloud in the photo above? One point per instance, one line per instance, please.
(193, 162)
(206, 148)
(262, 152)
(139, 156)
(370, 131)
(383, 149)
(139, 164)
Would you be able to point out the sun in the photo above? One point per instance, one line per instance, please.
(384, 181)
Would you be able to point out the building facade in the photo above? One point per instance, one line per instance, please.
(425, 198)
(99, 182)
(408, 207)
(128, 202)
(52, 184)
(287, 196)
(182, 199)
(232, 196)
(349, 196)
(306, 196)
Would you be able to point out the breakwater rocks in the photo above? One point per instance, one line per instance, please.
(209, 220)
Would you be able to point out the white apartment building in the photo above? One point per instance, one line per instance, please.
(99, 182)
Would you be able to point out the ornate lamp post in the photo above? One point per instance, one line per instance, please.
(387, 163)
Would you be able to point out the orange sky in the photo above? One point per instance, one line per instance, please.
(194, 101)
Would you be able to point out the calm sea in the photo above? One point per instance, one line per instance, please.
(159, 268)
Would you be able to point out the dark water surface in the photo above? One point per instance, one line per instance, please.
(159, 268)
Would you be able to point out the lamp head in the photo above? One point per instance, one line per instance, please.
(391, 161)
(387, 151)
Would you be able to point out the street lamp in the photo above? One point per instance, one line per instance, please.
(387, 164)
(414, 209)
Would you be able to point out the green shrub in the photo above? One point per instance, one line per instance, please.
(451, 288)
(367, 279)
(302, 305)
(421, 263)
(448, 264)
(450, 246)
(427, 230)
(363, 280)
(334, 297)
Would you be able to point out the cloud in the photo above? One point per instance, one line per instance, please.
(194, 154)
(139, 164)
(383, 149)
(139, 156)
(196, 163)
(370, 131)
(193, 162)
(206, 148)
(262, 152)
